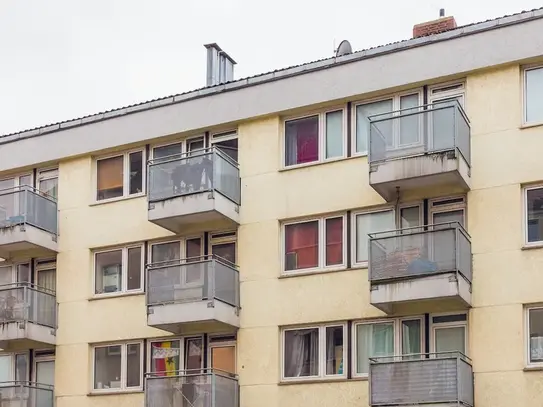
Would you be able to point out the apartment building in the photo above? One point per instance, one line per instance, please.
(360, 230)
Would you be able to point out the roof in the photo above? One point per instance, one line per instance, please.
(278, 74)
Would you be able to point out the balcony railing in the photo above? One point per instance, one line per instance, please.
(25, 302)
(419, 252)
(439, 378)
(25, 394)
(433, 128)
(202, 388)
(195, 172)
(25, 205)
(192, 280)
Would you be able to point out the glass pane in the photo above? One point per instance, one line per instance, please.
(411, 337)
(334, 134)
(302, 245)
(193, 247)
(165, 356)
(23, 273)
(193, 353)
(534, 95)
(49, 187)
(226, 251)
(363, 124)
(21, 367)
(229, 147)
(25, 180)
(302, 140)
(6, 275)
(450, 339)
(45, 372)
(134, 268)
(5, 368)
(165, 252)
(166, 151)
(371, 223)
(409, 124)
(136, 172)
(224, 358)
(193, 145)
(301, 358)
(133, 365)
(536, 335)
(334, 350)
(373, 340)
(193, 250)
(534, 210)
(449, 216)
(107, 367)
(108, 268)
(410, 217)
(110, 178)
(334, 241)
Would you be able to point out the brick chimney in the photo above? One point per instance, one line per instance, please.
(434, 27)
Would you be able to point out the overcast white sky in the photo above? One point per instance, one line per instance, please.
(61, 59)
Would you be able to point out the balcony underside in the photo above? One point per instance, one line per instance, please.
(193, 317)
(26, 335)
(195, 212)
(441, 292)
(437, 170)
(27, 239)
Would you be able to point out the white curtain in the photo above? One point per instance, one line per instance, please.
(334, 134)
(373, 340)
(302, 353)
(363, 123)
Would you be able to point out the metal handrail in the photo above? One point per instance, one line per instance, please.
(426, 229)
(29, 188)
(29, 384)
(439, 105)
(191, 373)
(423, 356)
(191, 260)
(192, 154)
(31, 286)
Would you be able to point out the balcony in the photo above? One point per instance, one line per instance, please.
(26, 394)
(28, 223)
(444, 379)
(420, 148)
(188, 388)
(429, 263)
(199, 294)
(197, 191)
(28, 317)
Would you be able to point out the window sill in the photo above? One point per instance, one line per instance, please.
(114, 295)
(531, 246)
(535, 368)
(530, 125)
(317, 163)
(121, 198)
(315, 381)
(113, 392)
(312, 272)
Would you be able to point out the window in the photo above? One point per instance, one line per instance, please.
(118, 270)
(168, 356)
(120, 176)
(227, 142)
(174, 150)
(450, 334)
(317, 243)
(533, 215)
(48, 182)
(385, 338)
(314, 352)
(535, 335)
(406, 132)
(14, 367)
(315, 138)
(366, 223)
(533, 95)
(118, 367)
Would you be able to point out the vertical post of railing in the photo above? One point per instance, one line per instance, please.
(26, 304)
(21, 394)
(213, 389)
(24, 209)
(457, 257)
(456, 145)
(211, 278)
(458, 379)
(214, 170)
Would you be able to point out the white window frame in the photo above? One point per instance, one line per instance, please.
(181, 340)
(447, 90)
(222, 344)
(322, 352)
(452, 207)
(215, 239)
(126, 175)
(124, 270)
(525, 215)
(226, 135)
(397, 324)
(354, 215)
(322, 136)
(46, 174)
(184, 144)
(321, 266)
(445, 325)
(124, 359)
(525, 71)
(527, 336)
(395, 107)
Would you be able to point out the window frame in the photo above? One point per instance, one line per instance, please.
(524, 84)
(126, 175)
(321, 259)
(395, 97)
(184, 145)
(124, 360)
(527, 310)
(454, 324)
(322, 352)
(124, 270)
(321, 114)
(525, 190)
(181, 340)
(397, 325)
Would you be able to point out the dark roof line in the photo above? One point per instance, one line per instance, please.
(277, 74)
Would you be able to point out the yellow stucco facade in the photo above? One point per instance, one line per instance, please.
(505, 157)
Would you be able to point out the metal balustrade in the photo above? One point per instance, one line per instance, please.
(26, 394)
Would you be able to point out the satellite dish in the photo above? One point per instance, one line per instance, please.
(344, 48)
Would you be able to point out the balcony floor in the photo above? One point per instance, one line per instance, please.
(28, 239)
(26, 335)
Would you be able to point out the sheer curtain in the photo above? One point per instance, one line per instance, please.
(373, 340)
(371, 223)
(411, 338)
(301, 353)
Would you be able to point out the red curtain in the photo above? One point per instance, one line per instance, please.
(307, 140)
(334, 241)
(302, 239)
